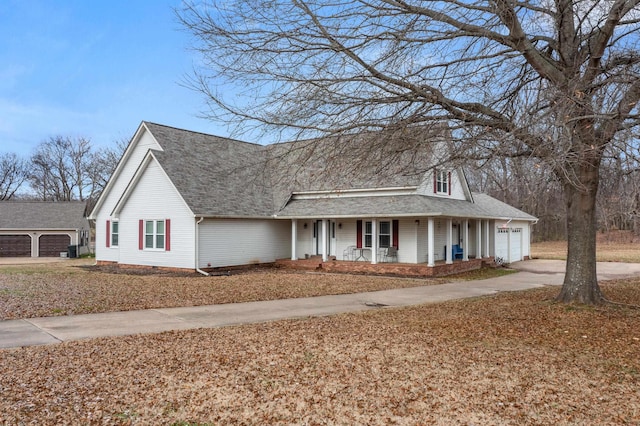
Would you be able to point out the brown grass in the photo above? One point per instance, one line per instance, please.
(511, 359)
(611, 247)
(72, 287)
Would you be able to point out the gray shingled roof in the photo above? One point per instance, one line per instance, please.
(229, 178)
(21, 215)
(402, 205)
(215, 176)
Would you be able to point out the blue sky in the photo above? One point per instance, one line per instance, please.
(93, 68)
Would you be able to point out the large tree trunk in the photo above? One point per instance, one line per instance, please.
(580, 281)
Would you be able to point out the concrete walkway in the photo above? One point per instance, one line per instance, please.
(42, 331)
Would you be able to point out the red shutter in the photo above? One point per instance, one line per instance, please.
(167, 236)
(108, 233)
(359, 234)
(449, 182)
(435, 181)
(140, 234)
(395, 226)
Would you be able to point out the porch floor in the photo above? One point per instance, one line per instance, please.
(417, 270)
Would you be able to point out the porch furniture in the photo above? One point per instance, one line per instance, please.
(349, 253)
(391, 254)
(456, 252)
(361, 255)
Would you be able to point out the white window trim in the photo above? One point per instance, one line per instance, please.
(155, 235)
(442, 182)
(111, 234)
(365, 234)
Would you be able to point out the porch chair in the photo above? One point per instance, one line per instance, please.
(391, 255)
(456, 251)
(349, 253)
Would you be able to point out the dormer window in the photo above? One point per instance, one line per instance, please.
(442, 182)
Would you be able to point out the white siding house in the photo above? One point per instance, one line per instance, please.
(182, 199)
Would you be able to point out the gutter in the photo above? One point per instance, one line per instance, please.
(206, 274)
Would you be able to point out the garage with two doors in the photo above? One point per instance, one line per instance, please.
(42, 229)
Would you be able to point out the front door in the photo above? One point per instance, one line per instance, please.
(330, 237)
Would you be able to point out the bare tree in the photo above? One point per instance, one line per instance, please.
(103, 163)
(65, 169)
(13, 173)
(554, 80)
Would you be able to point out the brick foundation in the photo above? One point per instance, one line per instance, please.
(144, 267)
(420, 270)
(315, 263)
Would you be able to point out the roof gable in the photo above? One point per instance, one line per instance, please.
(141, 142)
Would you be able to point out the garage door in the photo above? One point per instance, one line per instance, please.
(15, 246)
(509, 244)
(52, 245)
(516, 245)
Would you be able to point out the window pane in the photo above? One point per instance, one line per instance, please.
(160, 241)
(149, 227)
(367, 240)
(385, 228)
(148, 241)
(385, 241)
(367, 227)
(160, 227)
(114, 227)
(114, 239)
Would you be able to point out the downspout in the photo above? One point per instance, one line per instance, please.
(197, 252)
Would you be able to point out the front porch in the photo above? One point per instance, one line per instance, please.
(429, 242)
(414, 270)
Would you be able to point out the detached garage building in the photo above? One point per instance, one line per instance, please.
(42, 229)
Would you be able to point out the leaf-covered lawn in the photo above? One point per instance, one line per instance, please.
(511, 359)
(620, 246)
(74, 287)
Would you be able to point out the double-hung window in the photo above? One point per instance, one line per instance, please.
(114, 233)
(384, 234)
(154, 234)
(442, 182)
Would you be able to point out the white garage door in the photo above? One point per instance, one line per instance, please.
(509, 244)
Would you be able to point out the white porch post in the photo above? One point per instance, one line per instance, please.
(449, 252)
(325, 257)
(509, 246)
(487, 238)
(465, 241)
(479, 238)
(374, 241)
(431, 260)
(294, 238)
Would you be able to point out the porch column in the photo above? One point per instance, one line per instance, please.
(465, 240)
(294, 238)
(374, 241)
(449, 252)
(325, 257)
(487, 237)
(431, 260)
(479, 238)
(509, 245)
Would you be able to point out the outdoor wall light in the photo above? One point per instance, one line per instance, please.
(339, 225)
(304, 226)
(417, 221)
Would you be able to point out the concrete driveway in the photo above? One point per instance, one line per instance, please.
(41, 331)
(605, 270)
